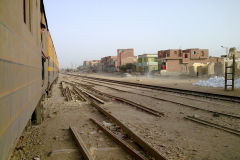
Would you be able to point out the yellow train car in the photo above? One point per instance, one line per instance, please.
(53, 66)
(21, 84)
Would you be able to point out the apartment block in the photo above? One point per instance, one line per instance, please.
(147, 63)
(125, 56)
(109, 63)
(177, 60)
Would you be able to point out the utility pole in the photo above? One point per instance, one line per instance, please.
(226, 49)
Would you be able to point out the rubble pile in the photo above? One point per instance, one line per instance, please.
(216, 82)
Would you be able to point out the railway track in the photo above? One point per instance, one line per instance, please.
(169, 89)
(148, 150)
(167, 100)
(122, 100)
(91, 93)
(193, 119)
(100, 83)
(214, 125)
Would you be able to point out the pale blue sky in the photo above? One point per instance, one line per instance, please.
(91, 29)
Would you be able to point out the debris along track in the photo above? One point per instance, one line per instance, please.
(224, 113)
(168, 89)
(144, 152)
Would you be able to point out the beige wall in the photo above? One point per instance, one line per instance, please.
(173, 66)
(20, 69)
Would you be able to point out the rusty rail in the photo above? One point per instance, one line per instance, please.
(68, 94)
(79, 94)
(169, 89)
(81, 145)
(139, 106)
(119, 141)
(145, 146)
(210, 124)
(178, 103)
(91, 96)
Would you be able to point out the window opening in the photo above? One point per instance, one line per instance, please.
(24, 11)
(30, 15)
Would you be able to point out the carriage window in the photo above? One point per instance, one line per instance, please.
(24, 11)
(30, 15)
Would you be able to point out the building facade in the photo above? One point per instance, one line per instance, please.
(125, 56)
(177, 60)
(92, 65)
(147, 63)
(109, 63)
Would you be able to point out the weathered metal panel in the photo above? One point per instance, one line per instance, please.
(20, 71)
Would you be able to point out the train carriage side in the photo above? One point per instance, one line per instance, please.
(21, 85)
(53, 66)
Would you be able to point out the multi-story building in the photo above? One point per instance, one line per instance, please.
(86, 64)
(147, 63)
(125, 56)
(177, 60)
(92, 65)
(109, 63)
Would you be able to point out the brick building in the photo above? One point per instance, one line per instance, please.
(125, 56)
(177, 60)
(109, 63)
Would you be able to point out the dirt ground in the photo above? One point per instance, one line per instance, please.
(171, 134)
(52, 140)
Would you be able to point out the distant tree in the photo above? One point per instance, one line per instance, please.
(123, 68)
(69, 70)
(129, 67)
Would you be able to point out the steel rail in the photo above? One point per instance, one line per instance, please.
(69, 95)
(178, 103)
(139, 106)
(120, 142)
(200, 100)
(170, 89)
(207, 123)
(80, 97)
(91, 96)
(82, 147)
(146, 147)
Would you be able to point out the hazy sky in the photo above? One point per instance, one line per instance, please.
(91, 29)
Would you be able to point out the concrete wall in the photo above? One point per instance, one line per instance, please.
(210, 70)
(202, 70)
(219, 69)
(194, 71)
